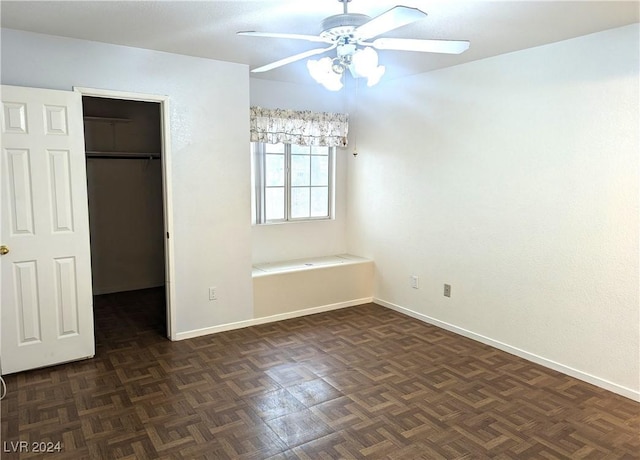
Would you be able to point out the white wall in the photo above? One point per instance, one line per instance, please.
(302, 239)
(209, 103)
(125, 220)
(515, 180)
(321, 288)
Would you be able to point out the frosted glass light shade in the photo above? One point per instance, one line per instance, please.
(321, 71)
(364, 64)
(375, 76)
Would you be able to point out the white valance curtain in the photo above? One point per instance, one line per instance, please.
(275, 126)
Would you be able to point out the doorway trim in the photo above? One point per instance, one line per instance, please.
(165, 156)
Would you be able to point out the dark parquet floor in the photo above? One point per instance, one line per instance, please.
(362, 382)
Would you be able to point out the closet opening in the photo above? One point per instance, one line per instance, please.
(125, 184)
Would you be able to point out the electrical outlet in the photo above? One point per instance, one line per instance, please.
(414, 281)
(212, 294)
(447, 290)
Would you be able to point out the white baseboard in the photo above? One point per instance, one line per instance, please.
(270, 319)
(597, 381)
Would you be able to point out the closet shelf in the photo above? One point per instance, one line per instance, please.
(131, 155)
(107, 119)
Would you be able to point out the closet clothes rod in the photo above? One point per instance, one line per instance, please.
(124, 156)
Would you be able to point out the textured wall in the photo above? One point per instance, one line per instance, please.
(127, 231)
(209, 103)
(515, 180)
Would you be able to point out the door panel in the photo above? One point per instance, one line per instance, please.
(19, 182)
(27, 302)
(47, 307)
(62, 207)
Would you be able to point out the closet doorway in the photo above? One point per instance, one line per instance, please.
(127, 169)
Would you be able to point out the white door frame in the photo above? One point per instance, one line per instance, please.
(166, 185)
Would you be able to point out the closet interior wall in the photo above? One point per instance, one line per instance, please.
(124, 181)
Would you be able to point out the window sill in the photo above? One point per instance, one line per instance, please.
(287, 222)
(296, 265)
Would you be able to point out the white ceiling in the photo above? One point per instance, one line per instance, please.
(207, 28)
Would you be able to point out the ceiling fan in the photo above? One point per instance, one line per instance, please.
(350, 34)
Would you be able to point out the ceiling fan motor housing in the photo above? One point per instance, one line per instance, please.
(342, 26)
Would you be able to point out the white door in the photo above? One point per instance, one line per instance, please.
(47, 305)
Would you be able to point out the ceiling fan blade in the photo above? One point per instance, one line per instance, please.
(290, 59)
(397, 16)
(310, 38)
(425, 46)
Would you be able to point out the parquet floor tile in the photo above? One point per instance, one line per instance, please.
(359, 383)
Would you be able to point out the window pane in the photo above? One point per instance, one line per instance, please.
(316, 150)
(319, 201)
(295, 182)
(274, 148)
(299, 149)
(274, 170)
(299, 202)
(300, 170)
(319, 170)
(274, 203)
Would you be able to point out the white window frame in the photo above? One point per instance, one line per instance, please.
(258, 173)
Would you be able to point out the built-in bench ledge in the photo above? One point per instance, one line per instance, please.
(299, 287)
(270, 268)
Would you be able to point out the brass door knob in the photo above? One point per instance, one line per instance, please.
(3, 250)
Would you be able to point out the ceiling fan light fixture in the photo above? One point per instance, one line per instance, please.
(321, 70)
(337, 66)
(364, 64)
(374, 77)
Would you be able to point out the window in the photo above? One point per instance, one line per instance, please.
(292, 182)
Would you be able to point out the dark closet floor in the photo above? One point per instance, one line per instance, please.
(121, 315)
(362, 382)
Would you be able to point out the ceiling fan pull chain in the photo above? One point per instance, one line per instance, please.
(355, 115)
